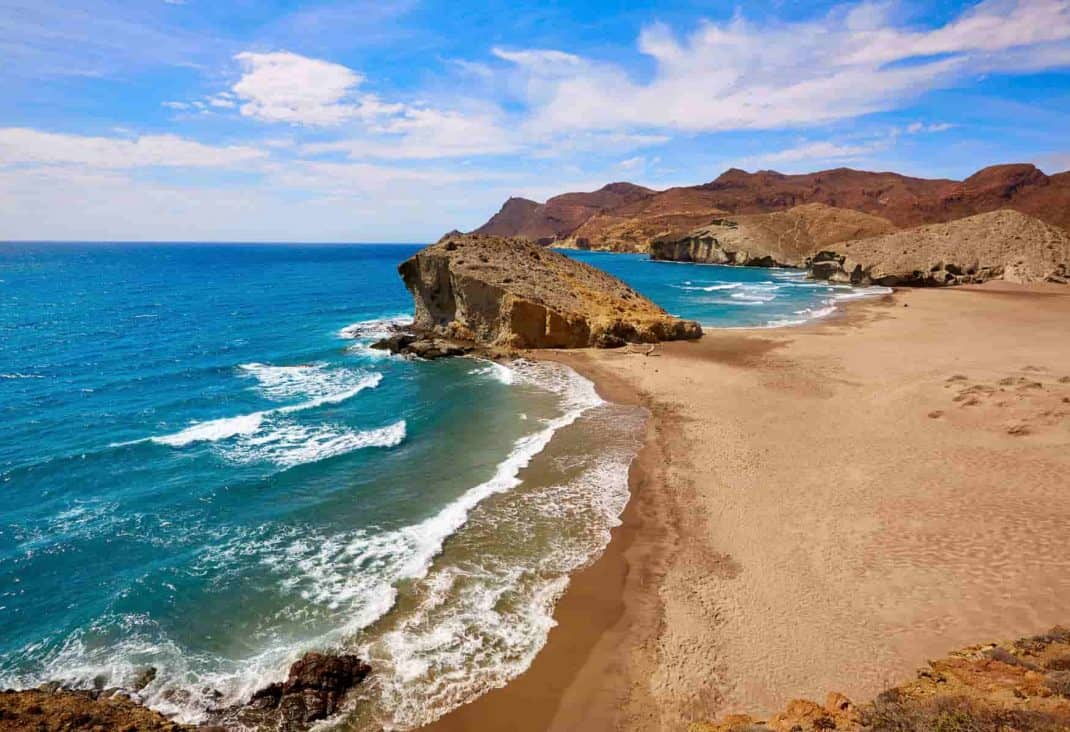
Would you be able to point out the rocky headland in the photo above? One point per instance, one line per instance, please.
(489, 293)
(317, 686)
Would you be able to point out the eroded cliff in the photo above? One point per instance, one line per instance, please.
(1003, 245)
(779, 239)
(512, 293)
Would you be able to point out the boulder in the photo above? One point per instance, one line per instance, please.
(499, 293)
(315, 689)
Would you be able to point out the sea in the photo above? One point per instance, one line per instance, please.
(207, 472)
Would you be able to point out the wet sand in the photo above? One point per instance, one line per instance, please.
(817, 508)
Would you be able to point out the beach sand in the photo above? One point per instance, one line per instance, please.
(817, 508)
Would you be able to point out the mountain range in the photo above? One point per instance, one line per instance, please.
(627, 217)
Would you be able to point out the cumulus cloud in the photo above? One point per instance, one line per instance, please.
(743, 75)
(287, 87)
(27, 146)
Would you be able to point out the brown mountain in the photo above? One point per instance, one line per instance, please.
(560, 215)
(622, 216)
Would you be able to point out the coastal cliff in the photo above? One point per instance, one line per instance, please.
(512, 293)
(1004, 245)
(779, 239)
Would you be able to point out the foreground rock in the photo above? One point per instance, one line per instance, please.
(1023, 685)
(510, 294)
(1003, 245)
(780, 239)
(47, 710)
(315, 689)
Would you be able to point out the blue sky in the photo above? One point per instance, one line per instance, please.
(258, 120)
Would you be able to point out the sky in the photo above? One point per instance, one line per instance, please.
(377, 121)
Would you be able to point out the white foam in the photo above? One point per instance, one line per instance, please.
(710, 288)
(289, 444)
(480, 624)
(20, 376)
(213, 430)
(499, 372)
(375, 328)
(225, 428)
(315, 379)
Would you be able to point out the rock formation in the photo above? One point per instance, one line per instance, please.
(998, 245)
(780, 239)
(1022, 685)
(511, 293)
(61, 710)
(622, 217)
(315, 689)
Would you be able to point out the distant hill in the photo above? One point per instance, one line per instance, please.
(625, 216)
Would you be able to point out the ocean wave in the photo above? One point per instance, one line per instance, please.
(17, 375)
(375, 328)
(354, 576)
(212, 431)
(481, 622)
(224, 428)
(281, 383)
(709, 288)
(289, 444)
(499, 372)
(752, 297)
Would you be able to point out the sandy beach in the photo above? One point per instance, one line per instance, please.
(817, 508)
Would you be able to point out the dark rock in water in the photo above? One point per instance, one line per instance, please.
(144, 678)
(314, 690)
(423, 346)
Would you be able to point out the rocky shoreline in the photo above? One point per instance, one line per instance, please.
(316, 688)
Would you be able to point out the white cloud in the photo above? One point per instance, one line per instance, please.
(287, 87)
(743, 75)
(27, 146)
(825, 151)
(917, 128)
(425, 133)
(176, 105)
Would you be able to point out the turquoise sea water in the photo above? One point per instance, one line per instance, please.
(205, 470)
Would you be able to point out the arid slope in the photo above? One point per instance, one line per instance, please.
(623, 216)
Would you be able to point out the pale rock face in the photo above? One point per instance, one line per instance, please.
(510, 293)
(1003, 245)
(778, 239)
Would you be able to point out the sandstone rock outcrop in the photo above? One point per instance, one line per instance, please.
(1021, 685)
(780, 239)
(999, 245)
(511, 293)
(621, 217)
(62, 710)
